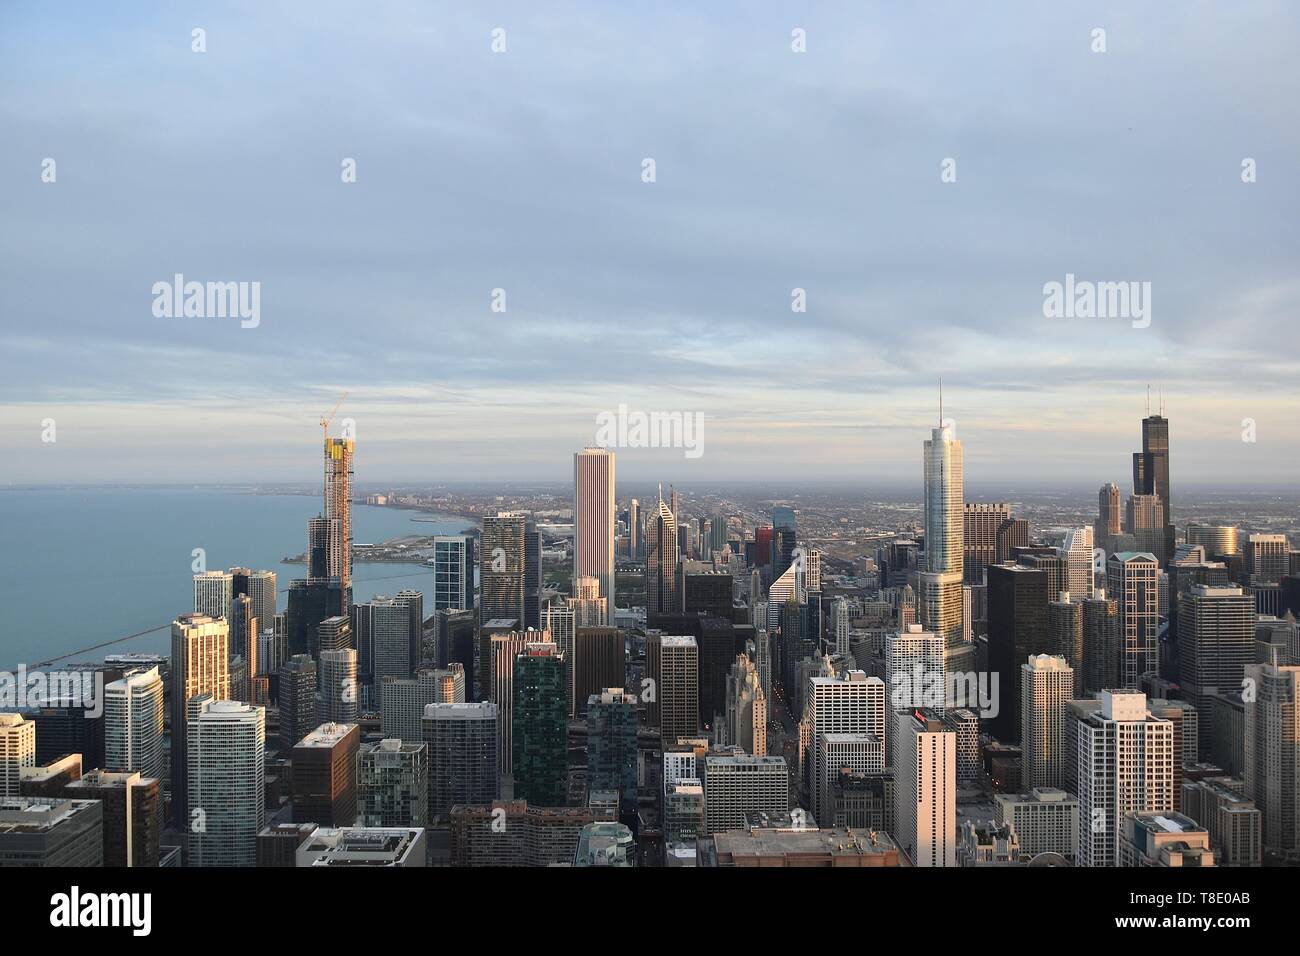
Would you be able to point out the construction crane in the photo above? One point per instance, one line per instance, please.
(325, 422)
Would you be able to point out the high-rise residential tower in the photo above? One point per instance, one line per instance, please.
(1133, 582)
(200, 665)
(926, 788)
(501, 567)
(1272, 752)
(133, 724)
(226, 770)
(453, 573)
(338, 511)
(1124, 763)
(1046, 683)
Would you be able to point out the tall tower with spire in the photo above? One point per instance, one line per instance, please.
(940, 581)
(1151, 465)
(661, 559)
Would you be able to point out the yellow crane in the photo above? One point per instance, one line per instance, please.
(325, 422)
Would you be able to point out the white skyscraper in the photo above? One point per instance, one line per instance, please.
(939, 584)
(840, 624)
(925, 789)
(1125, 762)
(200, 665)
(914, 677)
(213, 591)
(851, 704)
(1046, 683)
(1272, 752)
(226, 745)
(595, 521)
(337, 686)
(17, 750)
(1077, 550)
(133, 724)
(789, 586)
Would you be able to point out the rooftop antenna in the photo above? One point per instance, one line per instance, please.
(1162, 401)
(941, 402)
(1148, 399)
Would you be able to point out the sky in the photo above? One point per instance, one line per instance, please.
(523, 171)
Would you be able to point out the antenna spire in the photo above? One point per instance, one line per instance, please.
(941, 401)
(1148, 399)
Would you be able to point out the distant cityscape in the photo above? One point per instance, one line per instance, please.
(704, 678)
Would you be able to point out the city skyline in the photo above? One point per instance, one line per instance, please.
(484, 438)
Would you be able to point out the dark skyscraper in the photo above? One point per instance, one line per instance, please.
(661, 559)
(980, 538)
(539, 736)
(784, 539)
(1151, 471)
(1017, 628)
(502, 567)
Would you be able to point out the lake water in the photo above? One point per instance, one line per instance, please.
(83, 566)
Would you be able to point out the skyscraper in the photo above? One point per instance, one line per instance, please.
(1124, 764)
(599, 662)
(393, 784)
(1132, 581)
(1216, 641)
(980, 523)
(1046, 683)
(133, 724)
(453, 573)
(1266, 558)
(213, 591)
(200, 665)
(1110, 517)
(661, 558)
(1151, 473)
(611, 745)
(1216, 539)
(540, 733)
(926, 789)
(297, 700)
(338, 511)
(325, 775)
(1101, 647)
(914, 678)
(506, 647)
(17, 750)
(745, 719)
(853, 704)
(225, 760)
(337, 688)
(501, 567)
(679, 688)
(594, 522)
(1017, 628)
(1272, 752)
(462, 740)
(939, 585)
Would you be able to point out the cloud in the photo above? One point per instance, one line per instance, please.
(521, 171)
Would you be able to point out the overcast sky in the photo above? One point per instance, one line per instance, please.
(522, 170)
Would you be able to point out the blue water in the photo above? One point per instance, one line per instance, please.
(82, 566)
